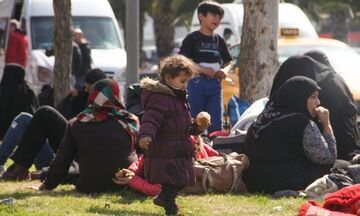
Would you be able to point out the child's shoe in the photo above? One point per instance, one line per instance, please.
(159, 202)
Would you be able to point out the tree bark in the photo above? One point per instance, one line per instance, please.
(164, 29)
(258, 49)
(62, 41)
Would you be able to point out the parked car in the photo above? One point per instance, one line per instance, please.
(344, 59)
(100, 27)
(290, 16)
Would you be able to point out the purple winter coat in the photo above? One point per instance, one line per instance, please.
(167, 121)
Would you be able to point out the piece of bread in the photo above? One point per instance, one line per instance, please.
(203, 118)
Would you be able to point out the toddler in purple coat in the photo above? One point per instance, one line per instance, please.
(165, 130)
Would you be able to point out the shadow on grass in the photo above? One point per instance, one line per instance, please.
(124, 196)
(19, 195)
(107, 211)
(127, 196)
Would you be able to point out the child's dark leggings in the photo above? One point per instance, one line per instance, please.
(168, 195)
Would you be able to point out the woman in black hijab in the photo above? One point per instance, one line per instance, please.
(15, 97)
(334, 96)
(285, 146)
(299, 65)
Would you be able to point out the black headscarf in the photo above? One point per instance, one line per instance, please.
(274, 143)
(289, 100)
(334, 95)
(299, 66)
(15, 96)
(319, 56)
(338, 99)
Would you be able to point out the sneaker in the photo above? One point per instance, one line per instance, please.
(16, 172)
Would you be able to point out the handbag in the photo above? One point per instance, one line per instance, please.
(219, 174)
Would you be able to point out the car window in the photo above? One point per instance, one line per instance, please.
(100, 31)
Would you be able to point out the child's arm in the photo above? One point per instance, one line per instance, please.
(153, 118)
(226, 58)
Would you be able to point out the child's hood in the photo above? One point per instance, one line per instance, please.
(155, 86)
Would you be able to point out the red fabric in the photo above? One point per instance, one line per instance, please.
(313, 208)
(340, 203)
(344, 200)
(139, 184)
(17, 49)
(353, 36)
(219, 133)
(137, 166)
(206, 151)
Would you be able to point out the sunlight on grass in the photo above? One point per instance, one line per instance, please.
(66, 201)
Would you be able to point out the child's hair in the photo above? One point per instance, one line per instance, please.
(214, 7)
(94, 75)
(173, 65)
(14, 23)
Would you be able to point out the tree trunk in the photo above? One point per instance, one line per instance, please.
(63, 39)
(164, 30)
(258, 49)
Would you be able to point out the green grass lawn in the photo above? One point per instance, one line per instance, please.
(64, 200)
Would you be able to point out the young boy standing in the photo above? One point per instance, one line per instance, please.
(210, 52)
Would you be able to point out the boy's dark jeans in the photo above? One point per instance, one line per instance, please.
(47, 123)
(168, 195)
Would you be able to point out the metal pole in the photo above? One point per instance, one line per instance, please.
(132, 41)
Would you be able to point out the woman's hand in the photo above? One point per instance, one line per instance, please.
(123, 176)
(323, 116)
(145, 142)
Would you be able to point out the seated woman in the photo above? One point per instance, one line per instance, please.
(287, 150)
(15, 96)
(48, 125)
(101, 138)
(334, 95)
